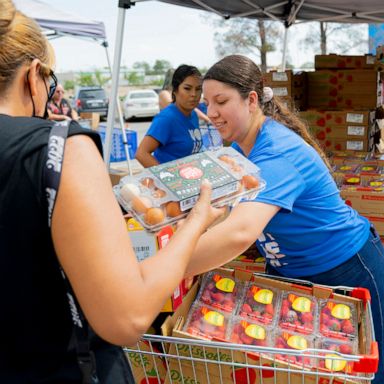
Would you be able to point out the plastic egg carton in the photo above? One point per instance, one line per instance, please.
(163, 194)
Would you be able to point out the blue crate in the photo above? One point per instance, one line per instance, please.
(211, 137)
(117, 146)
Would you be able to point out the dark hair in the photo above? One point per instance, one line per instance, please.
(180, 74)
(242, 74)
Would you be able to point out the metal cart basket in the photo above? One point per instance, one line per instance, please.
(159, 359)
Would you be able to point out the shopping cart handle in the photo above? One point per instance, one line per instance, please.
(368, 363)
(362, 294)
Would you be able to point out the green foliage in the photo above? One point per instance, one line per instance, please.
(69, 84)
(160, 67)
(134, 78)
(100, 79)
(143, 65)
(86, 79)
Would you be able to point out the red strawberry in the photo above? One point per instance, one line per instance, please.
(346, 349)
(218, 297)
(307, 318)
(246, 308)
(241, 376)
(334, 325)
(269, 309)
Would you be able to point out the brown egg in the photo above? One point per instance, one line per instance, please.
(236, 168)
(227, 159)
(249, 181)
(158, 193)
(154, 216)
(147, 182)
(173, 209)
(141, 204)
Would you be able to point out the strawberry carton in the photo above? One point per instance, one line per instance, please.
(298, 312)
(206, 322)
(337, 319)
(242, 331)
(298, 344)
(331, 359)
(259, 303)
(220, 291)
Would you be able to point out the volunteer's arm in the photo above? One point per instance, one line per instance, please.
(144, 153)
(231, 237)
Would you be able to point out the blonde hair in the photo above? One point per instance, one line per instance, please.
(21, 41)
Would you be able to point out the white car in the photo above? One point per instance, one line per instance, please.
(141, 103)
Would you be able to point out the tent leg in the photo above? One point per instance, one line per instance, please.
(284, 59)
(121, 120)
(114, 89)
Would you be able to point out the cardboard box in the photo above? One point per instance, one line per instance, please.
(146, 244)
(364, 202)
(333, 61)
(146, 365)
(93, 117)
(377, 220)
(222, 364)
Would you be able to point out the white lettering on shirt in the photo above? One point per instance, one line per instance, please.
(271, 250)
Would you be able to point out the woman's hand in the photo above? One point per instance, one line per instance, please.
(203, 210)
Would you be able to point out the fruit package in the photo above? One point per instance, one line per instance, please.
(259, 303)
(337, 319)
(298, 312)
(245, 331)
(297, 342)
(220, 291)
(163, 194)
(207, 322)
(331, 360)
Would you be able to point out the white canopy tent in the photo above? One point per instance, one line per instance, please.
(288, 12)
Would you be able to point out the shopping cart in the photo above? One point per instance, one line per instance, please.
(160, 359)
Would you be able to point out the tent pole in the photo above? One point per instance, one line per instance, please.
(120, 113)
(123, 5)
(284, 59)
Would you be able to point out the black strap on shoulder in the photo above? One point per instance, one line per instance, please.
(52, 173)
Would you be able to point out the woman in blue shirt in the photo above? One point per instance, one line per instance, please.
(303, 227)
(174, 132)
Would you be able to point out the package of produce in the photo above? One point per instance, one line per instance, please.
(297, 312)
(220, 291)
(331, 359)
(163, 194)
(259, 303)
(206, 322)
(299, 344)
(242, 331)
(337, 319)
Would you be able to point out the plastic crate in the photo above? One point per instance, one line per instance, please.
(117, 146)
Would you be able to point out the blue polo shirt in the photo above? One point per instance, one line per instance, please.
(178, 135)
(314, 231)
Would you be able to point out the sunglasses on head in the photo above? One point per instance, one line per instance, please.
(52, 84)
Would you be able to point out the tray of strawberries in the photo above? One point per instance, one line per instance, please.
(245, 331)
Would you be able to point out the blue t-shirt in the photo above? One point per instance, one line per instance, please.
(178, 135)
(314, 231)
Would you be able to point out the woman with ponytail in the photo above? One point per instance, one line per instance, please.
(67, 268)
(301, 224)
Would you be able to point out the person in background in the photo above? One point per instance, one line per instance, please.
(59, 108)
(73, 225)
(302, 226)
(174, 132)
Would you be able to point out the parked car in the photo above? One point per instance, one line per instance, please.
(141, 103)
(91, 99)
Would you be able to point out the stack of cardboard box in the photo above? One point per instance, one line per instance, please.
(290, 87)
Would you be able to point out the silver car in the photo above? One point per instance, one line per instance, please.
(141, 103)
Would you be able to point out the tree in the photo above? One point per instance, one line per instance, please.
(100, 79)
(69, 84)
(161, 66)
(247, 36)
(143, 66)
(86, 79)
(336, 38)
(133, 78)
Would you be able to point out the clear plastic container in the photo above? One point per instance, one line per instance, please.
(331, 360)
(337, 319)
(250, 332)
(259, 302)
(220, 291)
(163, 194)
(206, 322)
(298, 312)
(298, 342)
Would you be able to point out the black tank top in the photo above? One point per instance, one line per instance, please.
(35, 324)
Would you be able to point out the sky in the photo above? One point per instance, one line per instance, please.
(153, 30)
